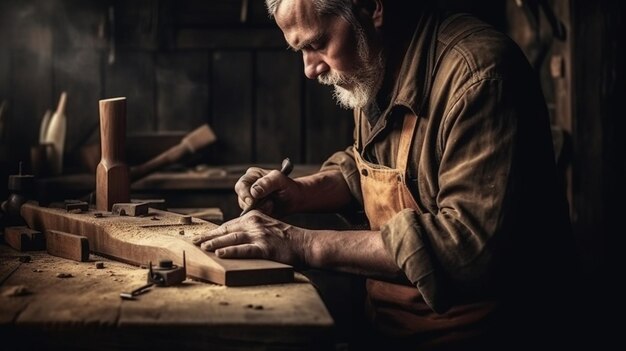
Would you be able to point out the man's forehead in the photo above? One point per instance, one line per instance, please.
(300, 12)
(299, 21)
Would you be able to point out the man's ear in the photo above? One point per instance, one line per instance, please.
(372, 9)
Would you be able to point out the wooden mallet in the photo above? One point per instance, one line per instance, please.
(112, 174)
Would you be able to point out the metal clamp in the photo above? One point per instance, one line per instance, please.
(165, 274)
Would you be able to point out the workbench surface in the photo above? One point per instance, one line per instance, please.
(86, 311)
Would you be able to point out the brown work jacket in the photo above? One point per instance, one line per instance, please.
(491, 222)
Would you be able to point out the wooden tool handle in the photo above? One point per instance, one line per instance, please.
(113, 129)
(112, 178)
(61, 105)
(169, 156)
(192, 142)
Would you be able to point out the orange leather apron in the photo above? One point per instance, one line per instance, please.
(396, 309)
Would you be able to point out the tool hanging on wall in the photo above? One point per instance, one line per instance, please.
(191, 143)
(55, 135)
(43, 128)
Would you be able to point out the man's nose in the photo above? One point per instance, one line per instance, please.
(313, 65)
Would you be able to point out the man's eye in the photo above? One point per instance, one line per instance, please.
(316, 46)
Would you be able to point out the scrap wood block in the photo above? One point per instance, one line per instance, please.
(76, 205)
(158, 204)
(66, 245)
(24, 239)
(130, 209)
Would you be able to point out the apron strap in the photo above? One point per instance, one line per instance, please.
(406, 140)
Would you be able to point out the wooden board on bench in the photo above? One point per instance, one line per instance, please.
(159, 235)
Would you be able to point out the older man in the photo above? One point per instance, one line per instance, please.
(452, 163)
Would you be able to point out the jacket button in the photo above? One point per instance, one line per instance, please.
(364, 172)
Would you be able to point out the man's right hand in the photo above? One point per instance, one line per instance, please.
(282, 192)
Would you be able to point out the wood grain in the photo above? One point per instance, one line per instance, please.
(22, 238)
(112, 173)
(138, 240)
(67, 245)
(85, 311)
(232, 107)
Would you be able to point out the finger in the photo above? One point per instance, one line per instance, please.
(225, 228)
(240, 251)
(242, 203)
(242, 187)
(200, 238)
(268, 184)
(227, 240)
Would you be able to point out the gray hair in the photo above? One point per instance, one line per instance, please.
(342, 8)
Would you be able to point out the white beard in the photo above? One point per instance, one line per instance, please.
(364, 83)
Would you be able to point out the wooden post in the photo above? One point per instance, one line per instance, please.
(112, 175)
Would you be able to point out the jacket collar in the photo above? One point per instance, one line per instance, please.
(413, 83)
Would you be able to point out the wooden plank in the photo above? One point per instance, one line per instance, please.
(599, 169)
(257, 16)
(31, 43)
(32, 96)
(198, 13)
(22, 238)
(328, 127)
(67, 245)
(139, 22)
(137, 240)
(5, 74)
(82, 26)
(182, 80)
(231, 38)
(278, 100)
(232, 106)
(132, 76)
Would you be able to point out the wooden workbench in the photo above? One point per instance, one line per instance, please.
(86, 311)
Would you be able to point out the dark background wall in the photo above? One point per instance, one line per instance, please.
(179, 63)
(223, 62)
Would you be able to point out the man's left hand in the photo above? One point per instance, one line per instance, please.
(256, 235)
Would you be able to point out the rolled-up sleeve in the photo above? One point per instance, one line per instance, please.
(344, 162)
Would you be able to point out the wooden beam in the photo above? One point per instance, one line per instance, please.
(138, 240)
